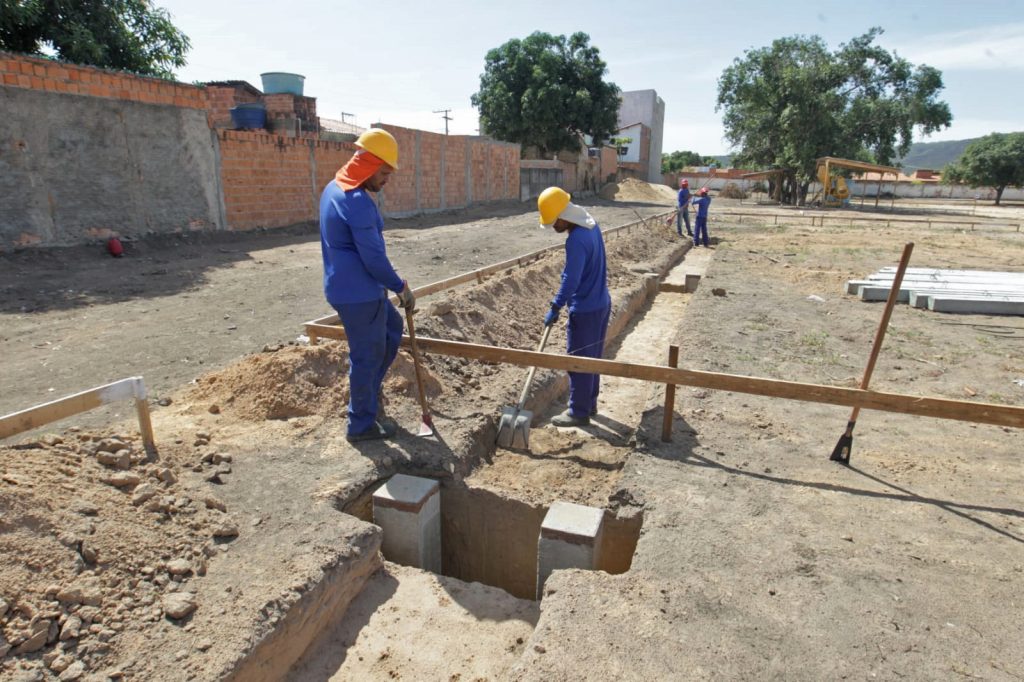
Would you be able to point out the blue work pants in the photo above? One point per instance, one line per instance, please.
(683, 215)
(701, 228)
(374, 330)
(585, 337)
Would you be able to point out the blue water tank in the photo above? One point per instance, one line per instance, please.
(249, 117)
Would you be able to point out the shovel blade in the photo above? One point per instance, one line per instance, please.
(506, 425)
(842, 450)
(521, 430)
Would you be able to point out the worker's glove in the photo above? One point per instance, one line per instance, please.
(405, 297)
(552, 315)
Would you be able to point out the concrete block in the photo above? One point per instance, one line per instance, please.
(570, 537)
(993, 305)
(408, 509)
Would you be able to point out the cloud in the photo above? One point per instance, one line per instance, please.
(991, 48)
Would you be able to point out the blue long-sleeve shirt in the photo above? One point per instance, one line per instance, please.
(356, 265)
(584, 277)
(683, 201)
(702, 204)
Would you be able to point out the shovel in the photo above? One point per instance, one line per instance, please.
(841, 453)
(426, 422)
(514, 427)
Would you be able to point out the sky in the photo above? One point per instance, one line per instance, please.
(400, 61)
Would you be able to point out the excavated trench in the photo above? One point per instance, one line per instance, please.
(490, 518)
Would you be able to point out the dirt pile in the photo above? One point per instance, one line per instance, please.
(99, 541)
(506, 310)
(294, 381)
(632, 189)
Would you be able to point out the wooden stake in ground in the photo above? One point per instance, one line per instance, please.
(670, 397)
(426, 422)
(841, 453)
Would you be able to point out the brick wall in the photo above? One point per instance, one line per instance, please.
(222, 97)
(21, 71)
(268, 180)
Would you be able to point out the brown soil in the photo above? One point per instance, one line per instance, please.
(288, 398)
(754, 545)
(631, 189)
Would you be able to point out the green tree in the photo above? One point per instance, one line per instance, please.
(677, 160)
(131, 35)
(546, 91)
(795, 101)
(996, 160)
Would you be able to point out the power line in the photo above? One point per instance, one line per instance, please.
(446, 118)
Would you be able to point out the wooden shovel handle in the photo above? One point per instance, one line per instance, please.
(416, 363)
(533, 370)
(890, 303)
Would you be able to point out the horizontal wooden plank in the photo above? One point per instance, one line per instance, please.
(40, 415)
(941, 408)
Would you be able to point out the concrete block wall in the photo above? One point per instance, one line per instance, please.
(86, 154)
(209, 177)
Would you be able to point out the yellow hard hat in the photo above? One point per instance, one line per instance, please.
(381, 144)
(551, 203)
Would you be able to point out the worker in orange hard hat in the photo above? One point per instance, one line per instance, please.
(358, 275)
(584, 289)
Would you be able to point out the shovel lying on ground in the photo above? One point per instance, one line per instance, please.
(841, 453)
(514, 427)
(426, 422)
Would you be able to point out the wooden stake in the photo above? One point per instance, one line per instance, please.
(670, 397)
(40, 415)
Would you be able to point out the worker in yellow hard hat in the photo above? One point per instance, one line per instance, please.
(358, 275)
(585, 290)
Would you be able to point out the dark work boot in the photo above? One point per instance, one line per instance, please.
(567, 418)
(376, 432)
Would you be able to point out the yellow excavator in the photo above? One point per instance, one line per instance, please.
(833, 188)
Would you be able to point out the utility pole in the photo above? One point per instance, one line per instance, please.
(344, 114)
(446, 118)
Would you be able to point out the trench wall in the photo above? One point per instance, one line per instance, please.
(87, 153)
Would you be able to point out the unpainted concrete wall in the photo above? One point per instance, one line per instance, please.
(76, 167)
(644, 106)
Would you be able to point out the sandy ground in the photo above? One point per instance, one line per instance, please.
(753, 561)
(760, 557)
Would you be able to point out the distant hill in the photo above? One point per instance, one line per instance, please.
(932, 155)
(928, 155)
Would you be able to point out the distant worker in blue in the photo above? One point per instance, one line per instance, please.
(585, 290)
(683, 208)
(702, 201)
(358, 276)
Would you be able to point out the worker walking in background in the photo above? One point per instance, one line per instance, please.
(683, 208)
(702, 201)
(584, 289)
(358, 275)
